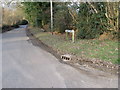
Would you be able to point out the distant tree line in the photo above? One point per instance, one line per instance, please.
(89, 19)
(11, 17)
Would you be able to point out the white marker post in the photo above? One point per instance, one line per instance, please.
(51, 9)
(73, 35)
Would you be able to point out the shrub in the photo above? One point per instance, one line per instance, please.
(5, 27)
(46, 27)
(91, 25)
(62, 18)
(9, 27)
(15, 26)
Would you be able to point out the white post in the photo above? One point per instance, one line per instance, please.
(73, 34)
(51, 16)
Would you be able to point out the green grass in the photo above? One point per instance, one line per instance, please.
(105, 50)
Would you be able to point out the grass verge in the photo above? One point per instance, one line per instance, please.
(105, 50)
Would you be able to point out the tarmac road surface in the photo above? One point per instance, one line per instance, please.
(27, 66)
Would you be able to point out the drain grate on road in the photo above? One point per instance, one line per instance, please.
(66, 57)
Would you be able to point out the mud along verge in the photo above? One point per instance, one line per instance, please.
(57, 46)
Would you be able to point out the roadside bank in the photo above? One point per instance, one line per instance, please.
(77, 61)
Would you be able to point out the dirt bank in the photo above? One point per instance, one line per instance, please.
(85, 64)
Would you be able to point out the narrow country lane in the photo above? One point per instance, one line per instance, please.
(27, 66)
